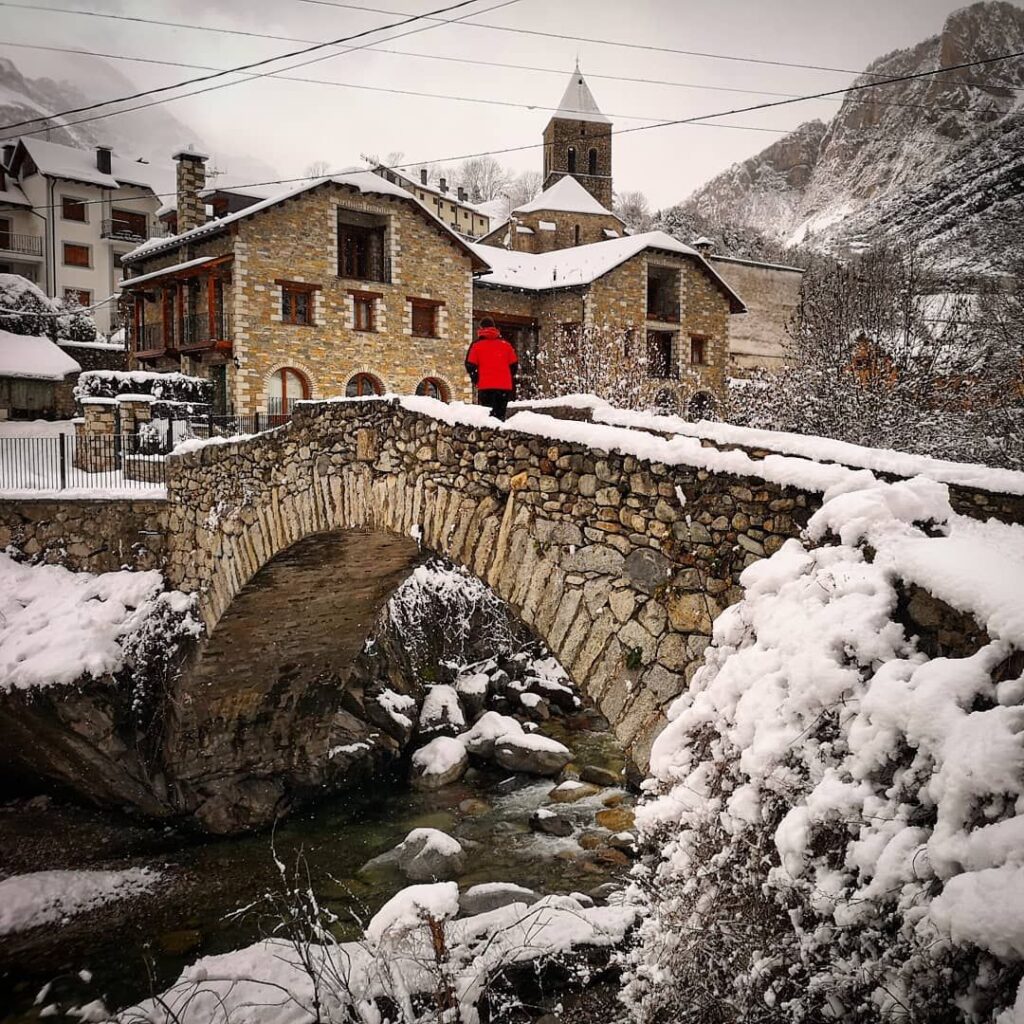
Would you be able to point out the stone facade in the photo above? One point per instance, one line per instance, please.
(547, 230)
(294, 244)
(563, 135)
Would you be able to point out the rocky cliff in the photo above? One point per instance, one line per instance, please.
(936, 160)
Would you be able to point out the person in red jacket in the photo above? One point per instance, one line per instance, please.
(493, 366)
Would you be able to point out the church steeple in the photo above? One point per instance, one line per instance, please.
(578, 141)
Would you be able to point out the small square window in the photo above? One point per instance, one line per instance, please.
(363, 313)
(424, 320)
(76, 255)
(296, 305)
(72, 209)
(698, 351)
(79, 295)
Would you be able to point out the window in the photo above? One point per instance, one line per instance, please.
(296, 304)
(361, 249)
(659, 354)
(576, 234)
(79, 295)
(284, 388)
(432, 387)
(592, 162)
(362, 307)
(126, 224)
(5, 233)
(570, 160)
(363, 384)
(698, 350)
(76, 255)
(424, 318)
(72, 209)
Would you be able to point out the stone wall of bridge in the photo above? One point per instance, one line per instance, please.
(619, 565)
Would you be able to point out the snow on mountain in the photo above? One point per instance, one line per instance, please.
(934, 159)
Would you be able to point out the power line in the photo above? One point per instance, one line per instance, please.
(666, 124)
(972, 108)
(614, 42)
(224, 85)
(465, 21)
(239, 68)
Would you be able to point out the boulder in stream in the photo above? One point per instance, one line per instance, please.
(430, 855)
(487, 730)
(533, 753)
(441, 714)
(480, 899)
(599, 776)
(551, 823)
(439, 763)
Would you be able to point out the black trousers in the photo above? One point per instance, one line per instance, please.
(497, 401)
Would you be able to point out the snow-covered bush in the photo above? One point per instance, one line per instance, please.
(836, 829)
(169, 387)
(25, 309)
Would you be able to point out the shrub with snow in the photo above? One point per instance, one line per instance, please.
(168, 387)
(837, 823)
(25, 309)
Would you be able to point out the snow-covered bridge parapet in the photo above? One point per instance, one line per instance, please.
(617, 548)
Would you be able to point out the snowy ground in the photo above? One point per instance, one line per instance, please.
(30, 465)
(50, 897)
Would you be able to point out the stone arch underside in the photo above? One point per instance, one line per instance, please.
(604, 557)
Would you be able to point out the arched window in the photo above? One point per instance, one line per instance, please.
(592, 162)
(362, 384)
(576, 234)
(433, 387)
(666, 402)
(570, 159)
(702, 406)
(284, 388)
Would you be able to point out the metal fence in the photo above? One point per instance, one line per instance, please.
(63, 462)
(204, 425)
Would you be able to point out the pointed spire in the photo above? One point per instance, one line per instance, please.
(578, 103)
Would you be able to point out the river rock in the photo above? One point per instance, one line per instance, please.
(474, 808)
(535, 706)
(441, 714)
(616, 819)
(607, 855)
(602, 893)
(472, 688)
(486, 731)
(439, 763)
(430, 855)
(552, 823)
(624, 841)
(598, 776)
(533, 753)
(479, 899)
(570, 791)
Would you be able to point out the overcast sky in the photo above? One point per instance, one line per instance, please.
(286, 125)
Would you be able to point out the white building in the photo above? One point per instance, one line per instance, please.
(67, 215)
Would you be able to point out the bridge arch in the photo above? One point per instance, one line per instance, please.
(605, 557)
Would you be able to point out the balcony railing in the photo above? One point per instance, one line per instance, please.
(150, 340)
(30, 245)
(188, 334)
(378, 270)
(123, 231)
(666, 312)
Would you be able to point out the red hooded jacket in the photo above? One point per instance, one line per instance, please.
(492, 359)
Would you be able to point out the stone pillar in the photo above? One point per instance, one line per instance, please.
(191, 181)
(95, 441)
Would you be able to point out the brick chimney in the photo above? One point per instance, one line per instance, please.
(191, 181)
(704, 246)
(423, 175)
(462, 194)
(103, 159)
(444, 184)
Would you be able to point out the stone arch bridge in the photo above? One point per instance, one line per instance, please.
(620, 565)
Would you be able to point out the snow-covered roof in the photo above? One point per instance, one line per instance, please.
(26, 355)
(567, 195)
(494, 209)
(360, 179)
(583, 264)
(578, 103)
(176, 268)
(57, 161)
(12, 194)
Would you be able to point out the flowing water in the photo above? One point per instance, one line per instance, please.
(140, 946)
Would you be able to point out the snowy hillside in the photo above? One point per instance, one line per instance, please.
(897, 159)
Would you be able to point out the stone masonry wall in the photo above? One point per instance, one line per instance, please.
(87, 536)
(559, 135)
(619, 565)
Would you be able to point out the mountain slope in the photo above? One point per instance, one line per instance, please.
(894, 159)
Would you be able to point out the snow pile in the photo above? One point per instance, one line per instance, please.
(441, 707)
(49, 897)
(439, 756)
(415, 955)
(840, 817)
(33, 357)
(57, 626)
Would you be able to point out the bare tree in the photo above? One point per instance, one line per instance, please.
(524, 187)
(633, 209)
(482, 177)
(622, 366)
(317, 169)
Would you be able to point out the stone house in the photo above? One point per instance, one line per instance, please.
(346, 285)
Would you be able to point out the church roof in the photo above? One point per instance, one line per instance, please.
(578, 103)
(567, 195)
